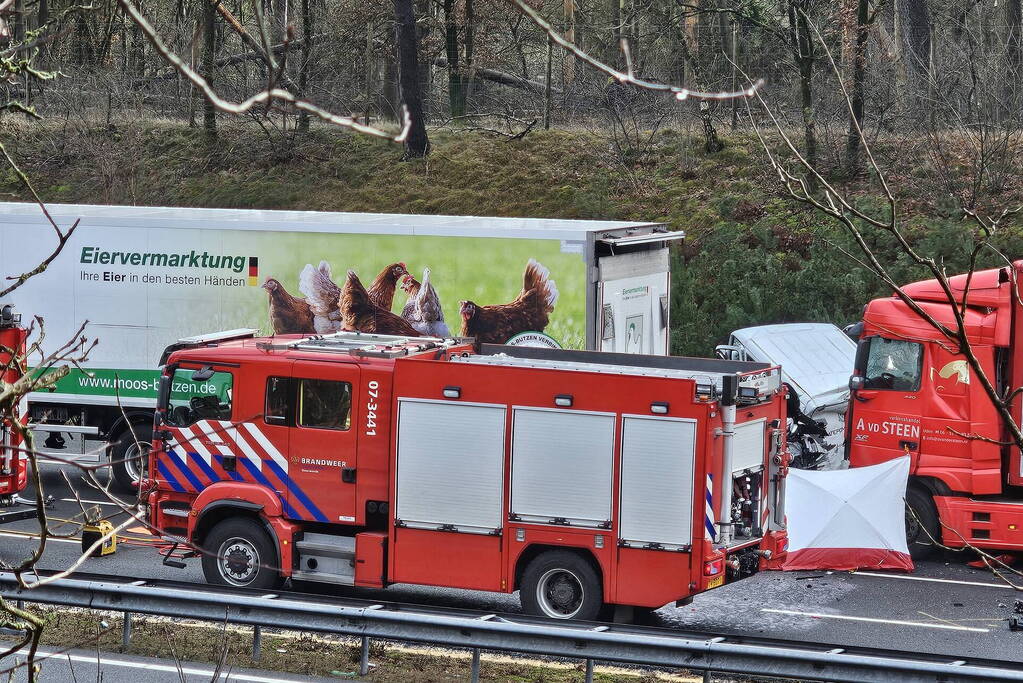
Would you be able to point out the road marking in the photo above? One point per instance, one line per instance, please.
(31, 537)
(925, 578)
(151, 666)
(96, 502)
(894, 622)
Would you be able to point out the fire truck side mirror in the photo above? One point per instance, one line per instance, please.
(856, 382)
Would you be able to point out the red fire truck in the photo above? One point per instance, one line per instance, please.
(13, 473)
(582, 478)
(913, 393)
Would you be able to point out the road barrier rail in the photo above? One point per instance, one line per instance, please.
(614, 643)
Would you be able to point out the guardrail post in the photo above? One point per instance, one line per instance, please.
(126, 630)
(257, 642)
(21, 604)
(708, 676)
(475, 665)
(364, 661)
(589, 671)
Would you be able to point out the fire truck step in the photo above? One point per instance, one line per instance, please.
(326, 558)
(323, 577)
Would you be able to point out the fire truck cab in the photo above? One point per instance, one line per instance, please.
(582, 478)
(13, 470)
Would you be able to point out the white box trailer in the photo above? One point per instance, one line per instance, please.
(144, 277)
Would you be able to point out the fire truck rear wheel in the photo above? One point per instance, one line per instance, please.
(130, 457)
(561, 585)
(921, 524)
(239, 553)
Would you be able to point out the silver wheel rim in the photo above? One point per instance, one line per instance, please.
(560, 593)
(238, 561)
(136, 460)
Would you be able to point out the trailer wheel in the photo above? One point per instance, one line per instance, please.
(561, 585)
(130, 458)
(238, 552)
(921, 524)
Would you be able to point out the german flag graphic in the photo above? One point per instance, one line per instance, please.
(253, 271)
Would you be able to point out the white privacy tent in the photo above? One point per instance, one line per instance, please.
(848, 519)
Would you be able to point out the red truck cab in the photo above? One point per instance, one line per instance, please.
(582, 478)
(914, 393)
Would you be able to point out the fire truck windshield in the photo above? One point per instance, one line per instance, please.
(892, 364)
(194, 400)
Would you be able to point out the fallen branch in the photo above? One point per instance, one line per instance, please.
(503, 78)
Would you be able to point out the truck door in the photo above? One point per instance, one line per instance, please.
(885, 413)
(322, 457)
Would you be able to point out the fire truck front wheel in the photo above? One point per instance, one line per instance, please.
(238, 552)
(561, 585)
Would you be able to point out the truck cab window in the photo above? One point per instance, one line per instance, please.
(893, 364)
(324, 404)
(278, 400)
(192, 401)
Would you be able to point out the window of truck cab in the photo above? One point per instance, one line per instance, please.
(892, 364)
(193, 400)
(324, 404)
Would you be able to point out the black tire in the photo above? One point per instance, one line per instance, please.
(561, 585)
(921, 524)
(129, 457)
(238, 552)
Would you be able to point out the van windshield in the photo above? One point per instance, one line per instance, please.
(893, 364)
(193, 400)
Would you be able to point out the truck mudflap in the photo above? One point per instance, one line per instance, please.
(981, 523)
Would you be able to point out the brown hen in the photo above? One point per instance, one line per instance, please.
(529, 312)
(359, 313)
(381, 292)
(288, 314)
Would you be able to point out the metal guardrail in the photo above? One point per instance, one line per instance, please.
(655, 647)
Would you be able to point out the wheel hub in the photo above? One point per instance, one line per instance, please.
(239, 561)
(560, 593)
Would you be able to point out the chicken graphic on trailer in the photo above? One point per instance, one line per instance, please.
(584, 479)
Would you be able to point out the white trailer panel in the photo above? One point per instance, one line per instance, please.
(658, 462)
(562, 465)
(447, 480)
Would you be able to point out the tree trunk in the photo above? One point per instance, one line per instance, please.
(469, 43)
(209, 16)
(915, 36)
(854, 140)
(805, 56)
(303, 73)
(1013, 53)
(19, 21)
(417, 144)
(568, 73)
(456, 96)
(710, 136)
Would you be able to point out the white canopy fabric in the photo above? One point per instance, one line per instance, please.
(848, 519)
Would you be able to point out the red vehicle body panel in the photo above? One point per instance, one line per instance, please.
(938, 425)
(13, 470)
(296, 478)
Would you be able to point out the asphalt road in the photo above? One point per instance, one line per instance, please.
(944, 607)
